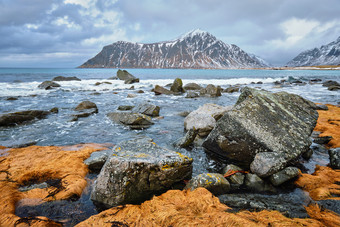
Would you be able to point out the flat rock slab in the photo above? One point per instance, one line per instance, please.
(138, 169)
(264, 130)
(133, 120)
(12, 119)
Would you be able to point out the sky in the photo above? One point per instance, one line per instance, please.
(66, 33)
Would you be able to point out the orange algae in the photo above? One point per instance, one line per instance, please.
(36, 164)
(329, 124)
(322, 184)
(192, 208)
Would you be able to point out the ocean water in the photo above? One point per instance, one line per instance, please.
(58, 129)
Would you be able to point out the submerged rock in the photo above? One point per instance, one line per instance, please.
(214, 182)
(47, 85)
(147, 109)
(127, 77)
(12, 119)
(204, 118)
(133, 120)
(264, 130)
(63, 78)
(136, 170)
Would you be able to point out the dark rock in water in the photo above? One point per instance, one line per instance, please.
(231, 89)
(47, 85)
(133, 120)
(330, 204)
(127, 77)
(177, 86)
(329, 83)
(97, 159)
(124, 108)
(290, 205)
(84, 113)
(264, 130)
(308, 154)
(140, 91)
(214, 182)
(191, 95)
(204, 118)
(184, 113)
(12, 119)
(147, 109)
(19, 144)
(315, 80)
(322, 140)
(334, 158)
(257, 184)
(321, 107)
(11, 98)
(161, 90)
(188, 139)
(54, 110)
(100, 83)
(236, 180)
(284, 175)
(334, 88)
(86, 105)
(211, 91)
(137, 170)
(192, 86)
(63, 78)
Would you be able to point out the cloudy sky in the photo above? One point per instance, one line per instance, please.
(65, 33)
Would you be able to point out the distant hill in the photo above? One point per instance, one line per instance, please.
(196, 49)
(325, 55)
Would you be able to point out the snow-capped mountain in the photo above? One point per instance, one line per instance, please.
(195, 49)
(263, 62)
(325, 55)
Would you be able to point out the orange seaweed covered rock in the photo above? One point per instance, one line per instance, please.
(189, 208)
(329, 124)
(36, 164)
(322, 184)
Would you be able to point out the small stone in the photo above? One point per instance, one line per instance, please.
(131, 95)
(124, 108)
(97, 159)
(237, 179)
(191, 95)
(54, 110)
(323, 139)
(86, 105)
(284, 175)
(231, 89)
(184, 113)
(12, 98)
(214, 182)
(140, 91)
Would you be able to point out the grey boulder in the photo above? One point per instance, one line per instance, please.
(214, 182)
(177, 86)
(133, 120)
(284, 175)
(264, 130)
(137, 170)
(147, 109)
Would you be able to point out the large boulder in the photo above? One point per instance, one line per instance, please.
(264, 130)
(63, 78)
(177, 86)
(138, 169)
(127, 77)
(204, 118)
(12, 119)
(214, 182)
(161, 90)
(85, 105)
(211, 91)
(47, 85)
(192, 86)
(147, 109)
(133, 120)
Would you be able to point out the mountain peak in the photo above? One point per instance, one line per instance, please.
(193, 33)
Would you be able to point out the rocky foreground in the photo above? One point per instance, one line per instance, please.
(260, 142)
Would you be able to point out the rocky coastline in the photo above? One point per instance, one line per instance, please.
(261, 144)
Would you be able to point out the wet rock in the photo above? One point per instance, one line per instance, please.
(334, 88)
(63, 78)
(124, 108)
(188, 139)
(214, 182)
(100, 83)
(54, 110)
(12, 119)
(19, 144)
(184, 113)
(177, 86)
(329, 83)
(192, 86)
(308, 154)
(315, 80)
(330, 204)
(322, 139)
(284, 175)
(33, 186)
(161, 90)
(11, 98)
(127, 77)
(132, 88)
(133, 120)
(140, 91)
(191, 95)
(204, 118)
(334, 158)
(97, 159)
(321, 107)
(290, 205)
(264, 130)
(211, 91)
(231, 89)
(137, 170)
(47, 85)
(147, 109)
(86, 105)
(131, 95)
(84, 113)
(236, 180)
(256, 184)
